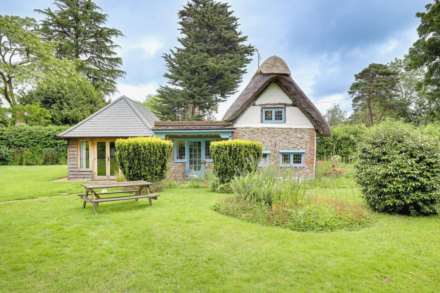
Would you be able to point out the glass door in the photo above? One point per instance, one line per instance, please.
(106, 166)
(195, 157)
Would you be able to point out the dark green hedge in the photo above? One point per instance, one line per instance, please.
(399, 170)
(143, 158)
(32, 145)
(235, 158)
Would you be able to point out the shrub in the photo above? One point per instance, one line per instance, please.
(32, 157)
(235, 158)
(343, 142)
(399, 170)
(5, 155)
(143, 158)
(51, 156)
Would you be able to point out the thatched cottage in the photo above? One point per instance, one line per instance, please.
(272, 109)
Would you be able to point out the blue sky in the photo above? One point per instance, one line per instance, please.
(324, 42)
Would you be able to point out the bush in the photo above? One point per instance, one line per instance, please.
(143, 158)
(399, 170)
(30, 142)
(5, 155)
(235, 158)
(343, 142)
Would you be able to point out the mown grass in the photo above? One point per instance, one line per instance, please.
(24, 182)
(51, 244)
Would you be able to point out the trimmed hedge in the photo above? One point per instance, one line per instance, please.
(399, 170)
(32, 145)
(235, 158)
(143, 158)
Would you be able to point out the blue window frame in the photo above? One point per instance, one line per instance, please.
(181, 149)
(292, 158)
(265, 159)
(273, 115)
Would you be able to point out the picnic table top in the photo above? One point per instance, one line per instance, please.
(110, 184)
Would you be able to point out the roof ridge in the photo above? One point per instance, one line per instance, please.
(139, 115)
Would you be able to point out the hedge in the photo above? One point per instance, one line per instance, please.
(344, 142)
(235, 158)
(143, 158)
(399, 170)
(32, 145)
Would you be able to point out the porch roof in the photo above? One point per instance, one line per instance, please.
(193, 128)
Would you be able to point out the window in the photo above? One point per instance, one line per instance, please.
(273, 115)
(179, 151)
(292, 158)
(208, 150)
(84, 161)
(265, 160)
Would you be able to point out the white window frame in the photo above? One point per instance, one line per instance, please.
(273, 110)
(80, 155)
(265, 162)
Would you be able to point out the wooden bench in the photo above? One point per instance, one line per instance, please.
(135, 190)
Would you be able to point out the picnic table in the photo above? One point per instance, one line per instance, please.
(95, 192)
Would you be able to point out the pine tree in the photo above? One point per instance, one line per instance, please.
(77, 27)
(374, 94)
(208, 65)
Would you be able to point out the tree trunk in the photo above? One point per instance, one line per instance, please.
(370, 112)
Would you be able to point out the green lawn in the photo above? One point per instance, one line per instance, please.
(50, 244)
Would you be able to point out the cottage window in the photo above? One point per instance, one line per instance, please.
(273, 115)
(179, 150)
(208, 150)
(265, 160)
(292, 158)
(84, 155)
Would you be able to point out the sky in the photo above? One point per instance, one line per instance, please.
(324, 42)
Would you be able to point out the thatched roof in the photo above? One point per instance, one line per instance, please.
(275, 70)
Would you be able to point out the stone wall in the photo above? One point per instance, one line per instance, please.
(276, 139)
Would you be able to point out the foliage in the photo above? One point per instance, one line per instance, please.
(22, 54)
(267, 186)
(143, 158)
(69, 99)
(31, 114)
(5, 155)
(374, 94)
(235, 158)
(208, 65)
(77, 28)
(274, 197)
(399, 170)
(343, 141)
(424, 55)
(335, 116)
(4, 118)
(34, 145)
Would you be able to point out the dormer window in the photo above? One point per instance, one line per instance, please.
(273, 115)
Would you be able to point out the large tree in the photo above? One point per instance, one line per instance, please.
(77, 27)
(374, 94)
(69, 99)
(335, 115)
(425, 55)
(23, 56)
(208, 64)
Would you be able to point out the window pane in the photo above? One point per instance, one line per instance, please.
(268, 115)
(297, 158)
(113, 164)
(279, 115)
(84, 155)
(207, 150)
(180, 152)
(285, 158)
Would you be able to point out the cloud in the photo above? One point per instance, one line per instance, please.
(327, 102)
(136, 91)
(148, 46)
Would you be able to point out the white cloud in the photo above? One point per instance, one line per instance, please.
(136, 91)
(150, 46)
(326, 102)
